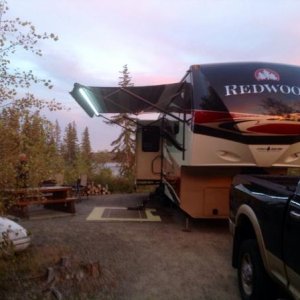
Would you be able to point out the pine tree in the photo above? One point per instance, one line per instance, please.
(125, 78)
(85, 153)
(28, 134)
(57, 135)
(124, 145)
(36, 137)
(70, 145)
(70, 152)
(85, 143)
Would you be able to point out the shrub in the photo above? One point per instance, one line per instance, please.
(115, 184)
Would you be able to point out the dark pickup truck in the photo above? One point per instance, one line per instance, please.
(265, 224)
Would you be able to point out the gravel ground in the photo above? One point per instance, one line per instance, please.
(138, 260)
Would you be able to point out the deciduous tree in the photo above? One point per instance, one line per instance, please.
(22, 129)
(16, 36)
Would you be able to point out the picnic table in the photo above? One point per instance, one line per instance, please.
(52, 197)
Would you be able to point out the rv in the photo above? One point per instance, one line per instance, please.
(220, 120)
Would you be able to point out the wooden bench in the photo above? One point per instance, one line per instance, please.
(21, 207)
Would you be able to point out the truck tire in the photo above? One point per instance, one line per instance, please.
(254, 283)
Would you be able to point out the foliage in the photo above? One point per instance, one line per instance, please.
(99, 160)
(17, 35)
(57, 136)
(85, 154)
(33, 138)
(29, 133)
(32, 148)
(103, 177)
(121, 185)
(102, 157)
(125, 78)
(77, 156)
(124, 150)
(124, 145)
(115, 184)
(23, 273)
(70, 153)
(29, 136)
(70, 146)
(22, 129)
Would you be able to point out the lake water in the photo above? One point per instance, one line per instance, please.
(115, 168)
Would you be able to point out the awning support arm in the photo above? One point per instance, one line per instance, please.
(151, 104)
(108, 119)
(116, 104)
(113, 102)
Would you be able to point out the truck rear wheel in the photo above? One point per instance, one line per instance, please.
(254, 283)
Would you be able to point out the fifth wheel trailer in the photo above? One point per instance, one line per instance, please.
(220, 120)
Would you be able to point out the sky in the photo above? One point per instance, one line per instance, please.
(157, 39)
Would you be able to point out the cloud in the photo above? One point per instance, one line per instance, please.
(158, 40)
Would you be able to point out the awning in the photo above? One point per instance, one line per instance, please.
(132, 100)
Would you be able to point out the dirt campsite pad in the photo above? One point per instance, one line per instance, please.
(105, 251)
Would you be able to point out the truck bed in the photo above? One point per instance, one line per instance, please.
(284, 184)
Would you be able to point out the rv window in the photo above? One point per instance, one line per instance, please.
(150, 138)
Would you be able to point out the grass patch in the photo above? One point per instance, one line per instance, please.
(25, 275)
(22, 274)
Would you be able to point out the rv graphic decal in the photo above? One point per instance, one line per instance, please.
(233, 90)
(266, 74)
(248, 123)
(247, 128)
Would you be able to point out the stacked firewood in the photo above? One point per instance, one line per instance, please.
(97, 189)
